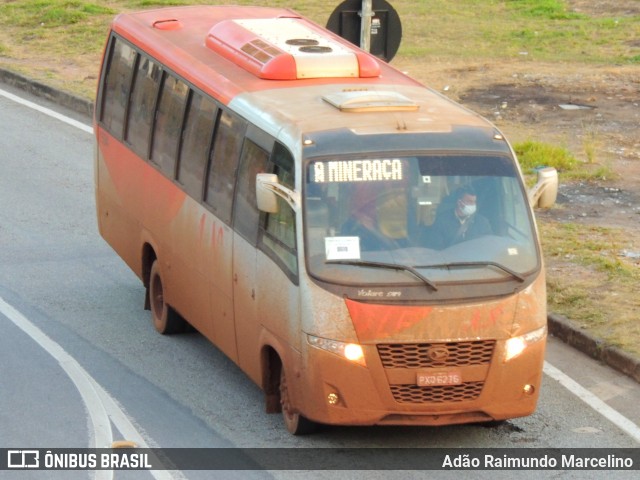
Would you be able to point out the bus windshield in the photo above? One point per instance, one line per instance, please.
(427, 219)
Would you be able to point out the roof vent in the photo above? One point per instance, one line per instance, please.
(371, 101)
(167, 24)
(288, 49)
(302, 42)
(316, 49)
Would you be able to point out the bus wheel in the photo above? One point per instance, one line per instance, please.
(165, 319)
(296, 424)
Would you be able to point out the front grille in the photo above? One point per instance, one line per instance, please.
(436, 355)
(426, 355)
(436, 394)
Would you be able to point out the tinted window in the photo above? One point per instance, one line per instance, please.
(279, 236)
(116, 86)
(246, 215)
(168, 128)
(224, 159)
(195, 144)
(142, 105)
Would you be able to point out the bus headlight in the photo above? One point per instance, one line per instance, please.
(516, 345)
(351, 351)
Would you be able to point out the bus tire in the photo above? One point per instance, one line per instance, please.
(165, 320)
(295, 423)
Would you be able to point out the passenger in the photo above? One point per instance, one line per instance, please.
(460, 221)
(379, 218)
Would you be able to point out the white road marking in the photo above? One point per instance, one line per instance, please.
(101, 406)
(593, 401)
(102, 434)
(47, 111)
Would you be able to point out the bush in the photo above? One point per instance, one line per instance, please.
(532, 155)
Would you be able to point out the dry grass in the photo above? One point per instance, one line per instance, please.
(591, 283)
(60, 41)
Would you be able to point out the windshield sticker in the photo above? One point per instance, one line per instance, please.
(382, 170)
(512, 251)
(342, 248)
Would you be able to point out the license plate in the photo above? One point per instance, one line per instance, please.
(445, 377)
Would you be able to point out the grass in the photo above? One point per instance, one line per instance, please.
(591, 283)
(593, 246)
(60, 42)
(544, 9)
(544, 30)
(62, 34)
(463, 29)
(534, 154)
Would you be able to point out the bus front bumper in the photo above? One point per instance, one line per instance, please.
(333, 390)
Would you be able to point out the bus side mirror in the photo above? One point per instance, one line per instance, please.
(265, 195)
(545, 191)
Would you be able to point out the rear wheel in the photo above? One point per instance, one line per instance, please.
(165, 319)
(296, 423)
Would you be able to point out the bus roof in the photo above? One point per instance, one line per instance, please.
(288, 75)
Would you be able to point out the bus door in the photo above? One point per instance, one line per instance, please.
(219, 192)
(279, 296)
(246, 219)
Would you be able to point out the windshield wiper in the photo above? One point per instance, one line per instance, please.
(394, 266)
(514, 274)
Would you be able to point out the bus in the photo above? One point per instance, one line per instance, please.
(362, 247)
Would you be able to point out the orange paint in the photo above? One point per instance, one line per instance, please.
(377, 322)
(127, 173)
(482, 321)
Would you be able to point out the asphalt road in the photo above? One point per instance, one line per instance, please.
(81, 365)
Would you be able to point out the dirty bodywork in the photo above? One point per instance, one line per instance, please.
(342, 299)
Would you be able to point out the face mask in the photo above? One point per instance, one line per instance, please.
(468, 210)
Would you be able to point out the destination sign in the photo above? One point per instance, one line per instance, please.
(376, 170)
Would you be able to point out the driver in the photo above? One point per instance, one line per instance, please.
(461, 221)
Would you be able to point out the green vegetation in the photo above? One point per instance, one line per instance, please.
(533, 154)
(478, 30)
(592, 284)
(545, 9)
(593, 246)
(49, 14)
(540, 30)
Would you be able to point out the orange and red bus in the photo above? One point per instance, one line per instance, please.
(362, 247)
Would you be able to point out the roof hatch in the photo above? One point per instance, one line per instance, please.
(371, 101)
(288, 48)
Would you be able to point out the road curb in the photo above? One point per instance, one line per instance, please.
(72, 102)
(559, 326)
(562, 328)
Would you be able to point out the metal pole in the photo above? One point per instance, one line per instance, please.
(365, 28)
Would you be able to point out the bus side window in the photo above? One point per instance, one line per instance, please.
(227, 144)
(117, 82)
(142, 105)
(168, 124)
(246, 215)
(198, 129)
(278, 238)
